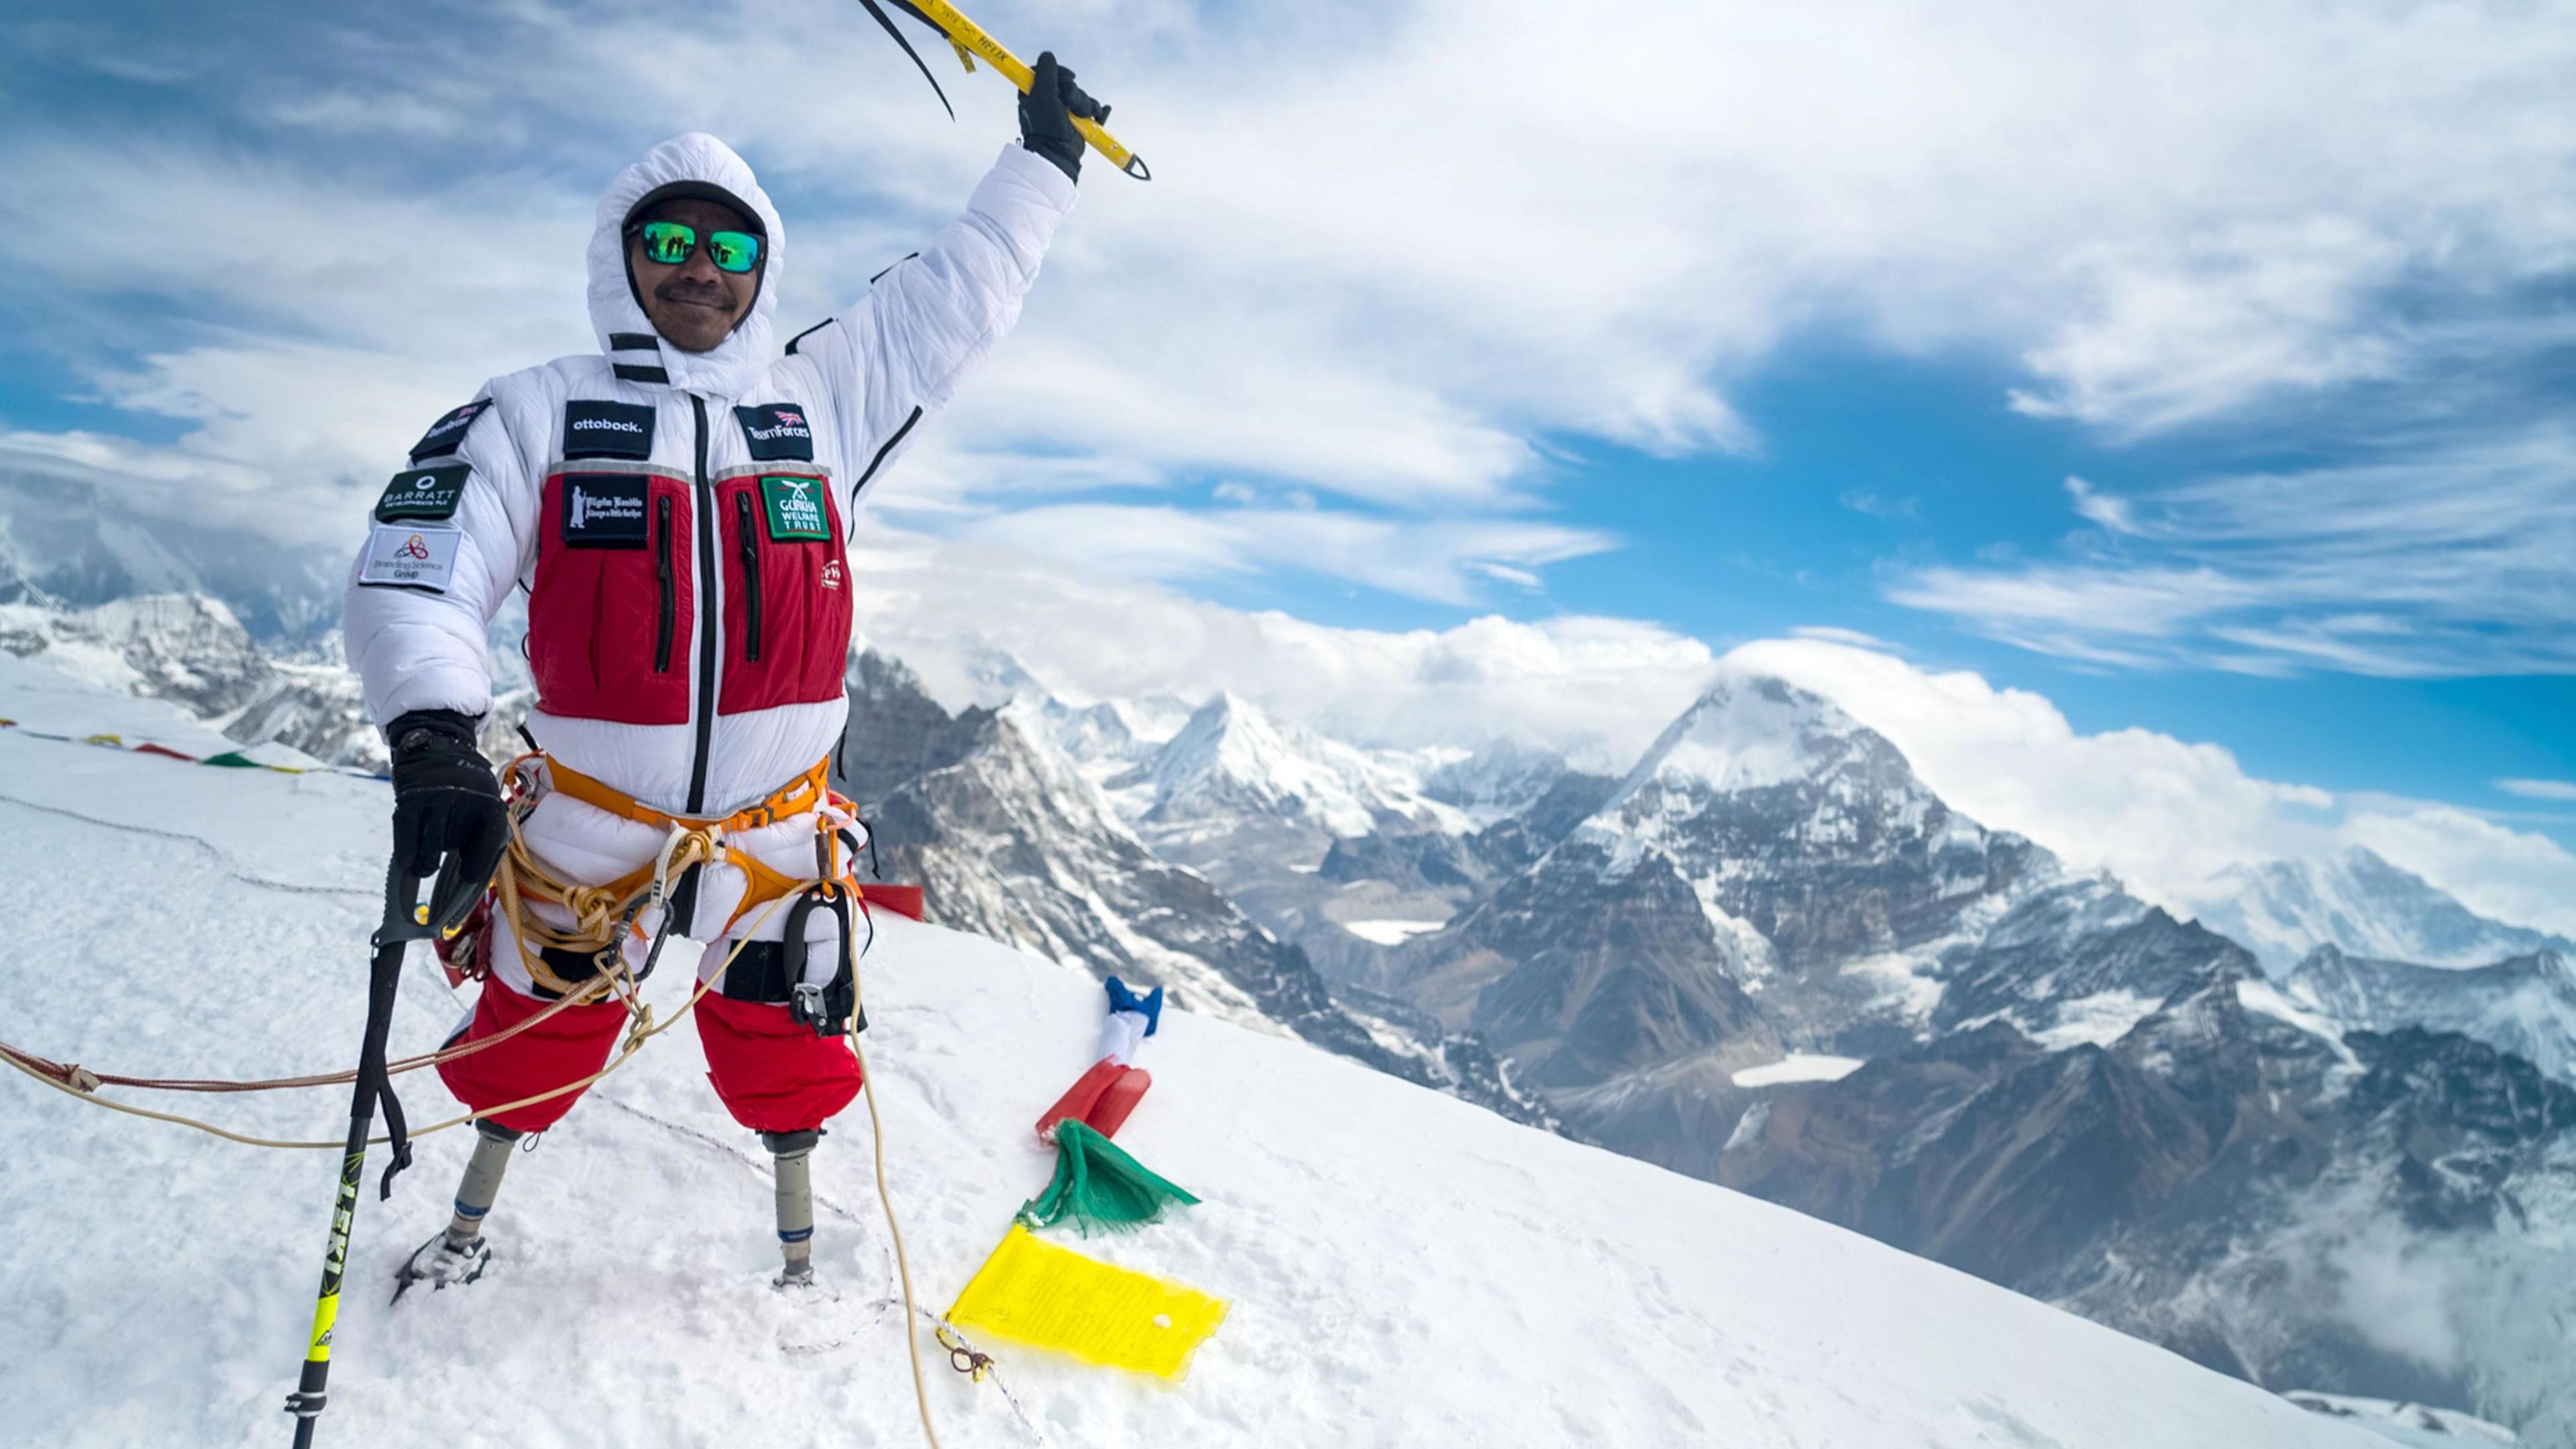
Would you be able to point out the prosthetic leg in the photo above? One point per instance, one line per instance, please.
(794, 1152)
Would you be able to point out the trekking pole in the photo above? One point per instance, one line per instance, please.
(970, 40)
(401, 926)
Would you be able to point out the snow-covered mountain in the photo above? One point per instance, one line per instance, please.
(68, 543)
(191, 650)
(2056, 1083)
(1012, 841)
(1402, 1269)
(2525, 1005)
(1233, 767)
(2361, 905)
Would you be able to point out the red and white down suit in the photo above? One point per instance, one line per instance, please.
(678, 520)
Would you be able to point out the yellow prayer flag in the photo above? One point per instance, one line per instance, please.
(1033, 1292)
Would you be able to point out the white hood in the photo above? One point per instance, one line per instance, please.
(733, 368)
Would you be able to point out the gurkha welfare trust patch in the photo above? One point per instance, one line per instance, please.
(410, 556)
(607, 430)
(795, 509)
(424, 493)
(604, 510)
(448, 433)
(776, 432)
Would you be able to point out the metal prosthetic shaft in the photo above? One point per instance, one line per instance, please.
(795, 1151)
(493, 1145)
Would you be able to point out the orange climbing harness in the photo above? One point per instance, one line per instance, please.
(604, 915)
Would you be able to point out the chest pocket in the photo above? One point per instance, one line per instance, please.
(787, 588)
(612, 610)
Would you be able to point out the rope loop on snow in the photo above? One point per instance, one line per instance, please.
(963, 1356)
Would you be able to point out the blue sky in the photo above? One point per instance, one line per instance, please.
(2198, 375)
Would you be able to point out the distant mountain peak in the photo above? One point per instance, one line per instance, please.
(1233, 757)
(1751, 732)
(2359, 903)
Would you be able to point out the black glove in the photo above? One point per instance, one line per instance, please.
(1048, 128)
(448, 815)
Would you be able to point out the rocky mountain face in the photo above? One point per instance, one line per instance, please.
(2208, 1180)
(2360, 904)
(1011, 841)
(190, 650)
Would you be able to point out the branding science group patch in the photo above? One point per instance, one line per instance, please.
(776, 432)
(410, 556)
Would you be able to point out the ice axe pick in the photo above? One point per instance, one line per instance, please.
(970, 40)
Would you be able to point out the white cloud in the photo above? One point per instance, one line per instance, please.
(1370, 266)
(2432, 559)
(2102, 508)
(2539, 789)
(1435, 561)
(1601, 688)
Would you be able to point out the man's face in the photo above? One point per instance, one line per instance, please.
(694, 305)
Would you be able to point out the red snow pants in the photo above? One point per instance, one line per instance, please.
(772, 1072)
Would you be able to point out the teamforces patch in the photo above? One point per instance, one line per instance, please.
(607, 430)
(448, 434)
(605, 511)
(410, 556)
(777, 432)
(424, 493)
(795, 509)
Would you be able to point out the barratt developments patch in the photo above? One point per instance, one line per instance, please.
(776, 432)
(424, 493)
(795, 507)
(604, 510)
(410, 556)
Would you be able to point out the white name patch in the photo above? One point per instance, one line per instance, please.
(411, 556)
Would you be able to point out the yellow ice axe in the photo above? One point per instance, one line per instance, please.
(969, 40)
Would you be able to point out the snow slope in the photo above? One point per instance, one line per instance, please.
(1404, 1269)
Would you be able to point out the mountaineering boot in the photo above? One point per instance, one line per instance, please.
(795, 1151)
(458, 1253)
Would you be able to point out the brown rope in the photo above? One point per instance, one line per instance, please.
(80, 1078)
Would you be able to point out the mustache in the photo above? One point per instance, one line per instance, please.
(704, 294)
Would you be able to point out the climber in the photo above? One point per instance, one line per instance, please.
(676, 505)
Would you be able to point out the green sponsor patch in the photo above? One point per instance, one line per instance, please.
(795, 509)
(423, 493)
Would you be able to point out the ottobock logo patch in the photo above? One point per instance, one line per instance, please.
(410, 556)
(424, 493)
(605, 511)
(448, 434)
(776, 432)
(607, 430)
(795, 509)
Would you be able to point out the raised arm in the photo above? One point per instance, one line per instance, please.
(898, 355)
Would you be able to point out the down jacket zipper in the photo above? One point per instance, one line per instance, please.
(670, 604)
(708, 618)
(750, 549)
